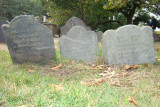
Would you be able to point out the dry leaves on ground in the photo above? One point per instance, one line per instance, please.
(98, 81)
(22, 106)
(57, 67)
(133, 101)
(31, 70)
(116, 83)
(108, 74)
(98, 67)
(129, 67)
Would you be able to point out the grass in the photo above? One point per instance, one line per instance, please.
(35, 85)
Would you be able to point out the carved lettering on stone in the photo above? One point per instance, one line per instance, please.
(128, 45)
(28, 40)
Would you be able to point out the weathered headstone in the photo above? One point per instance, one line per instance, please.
(2, 40)
(99, 36)
(28, 40)
(156, 37)
(79, 44)
(74, 21)
(128, 45)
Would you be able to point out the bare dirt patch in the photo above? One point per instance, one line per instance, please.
(3, 47)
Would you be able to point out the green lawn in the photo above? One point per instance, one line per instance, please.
(39, 85)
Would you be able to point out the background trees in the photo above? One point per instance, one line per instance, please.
(98, 14)
(103, 14)
(11, 8)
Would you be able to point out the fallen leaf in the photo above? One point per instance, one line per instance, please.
(103, 74)
(22, 65)
(149, 66)
(31, 71)
(116, 83)
(108, 74)
(124, 74)
(57, 67)
(109, 69)
(58, 87)
(99, 67)
(131, 100)
(128, 67)
(93, 65)
(94, 82)
(97, 81)
(22, 106)
(73, 61)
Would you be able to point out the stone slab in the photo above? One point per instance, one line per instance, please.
(79, 44)
(28, 40)
(128, 44)
(74, 21)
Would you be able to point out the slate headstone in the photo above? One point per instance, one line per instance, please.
(99, 36)
(2, 40)
(79, 44)
(128, 44)
(28, 40)
(74, 21)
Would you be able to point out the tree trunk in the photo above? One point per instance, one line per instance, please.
(129, 18)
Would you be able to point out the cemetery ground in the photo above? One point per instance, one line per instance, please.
(63, 83)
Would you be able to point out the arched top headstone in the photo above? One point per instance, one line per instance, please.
(128, 44)
(79, 44)
(28, 40)
(74, 21)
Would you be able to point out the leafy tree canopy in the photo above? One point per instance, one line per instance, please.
(11, 8)
(129, 7)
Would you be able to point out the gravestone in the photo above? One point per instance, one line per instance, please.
(74, 21)
(156, 37)
(99, 36)
(28, 40)
(2, 40)
(128, 45)
(79, 44)
(53, 28)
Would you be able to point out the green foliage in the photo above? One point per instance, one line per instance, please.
(141, 17)
(129, 7)
(11, 8)
(90, 11)
(98, 14)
